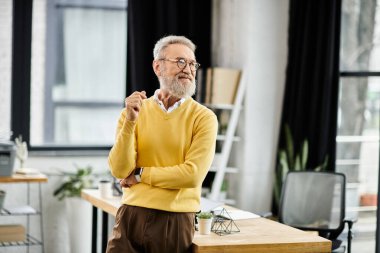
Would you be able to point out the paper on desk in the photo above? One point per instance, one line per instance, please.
(238, 214)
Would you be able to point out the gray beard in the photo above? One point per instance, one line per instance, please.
(175, 88)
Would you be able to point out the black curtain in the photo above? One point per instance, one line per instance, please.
(149, 20)
(312, 78)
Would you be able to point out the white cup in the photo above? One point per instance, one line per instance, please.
(105, 189)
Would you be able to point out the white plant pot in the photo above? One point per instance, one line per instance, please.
(204, 226)
(79, 215)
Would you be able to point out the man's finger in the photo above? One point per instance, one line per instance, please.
(142, 94)
(123, 183)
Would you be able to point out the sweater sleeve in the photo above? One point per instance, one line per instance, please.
(122, 157)
(198, 159)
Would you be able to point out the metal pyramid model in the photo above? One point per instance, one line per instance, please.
(223, 223)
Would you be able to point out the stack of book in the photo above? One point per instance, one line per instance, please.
(217, 85)
(12, 233)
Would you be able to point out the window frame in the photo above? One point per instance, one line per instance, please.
(21, 76)
(345, 74)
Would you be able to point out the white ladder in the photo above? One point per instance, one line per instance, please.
(227, 144)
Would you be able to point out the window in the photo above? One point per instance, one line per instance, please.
(78, 72)
(359, 114)
(5, 67)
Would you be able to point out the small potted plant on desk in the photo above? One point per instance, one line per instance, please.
(204, 222)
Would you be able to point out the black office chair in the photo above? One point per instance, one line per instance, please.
(315, 201)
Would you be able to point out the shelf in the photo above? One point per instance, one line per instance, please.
(25, 210)
(30, 241)
(228, 169)
(17, 178)
(223, 138)
(221, 106)
(4, 212)
(226, 141)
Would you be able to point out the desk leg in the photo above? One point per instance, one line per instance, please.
(41, 218)
(94, 228)
(104, 231)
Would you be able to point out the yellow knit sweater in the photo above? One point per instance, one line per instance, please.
(175, 149)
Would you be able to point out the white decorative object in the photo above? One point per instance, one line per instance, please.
(21, 150)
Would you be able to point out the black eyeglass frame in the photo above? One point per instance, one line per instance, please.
(194, 66)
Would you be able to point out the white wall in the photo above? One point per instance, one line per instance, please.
(252, 35)
(5, 65)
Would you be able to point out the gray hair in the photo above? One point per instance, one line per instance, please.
(164, 42)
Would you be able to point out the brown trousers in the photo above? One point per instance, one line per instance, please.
(143, 230)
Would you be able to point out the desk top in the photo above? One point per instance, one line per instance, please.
(109, 205)
(18, 178)
(257, 235)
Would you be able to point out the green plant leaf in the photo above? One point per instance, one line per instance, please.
(73, 183)
(284, 168)
(283, 158)
(289, 146)
(224, 186)
(323, 166)
(204, 215)
(297, 163)
(305, 154)
(277, 188)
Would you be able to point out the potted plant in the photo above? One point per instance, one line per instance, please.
(368, 199)
(73, 183)
(78, 211)
(291, 160)
(204, 221)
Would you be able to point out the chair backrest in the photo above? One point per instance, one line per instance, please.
(314, 201)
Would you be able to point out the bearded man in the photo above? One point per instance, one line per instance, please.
(164, 147)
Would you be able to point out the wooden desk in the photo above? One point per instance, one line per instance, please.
(258, 235)
(18, 178)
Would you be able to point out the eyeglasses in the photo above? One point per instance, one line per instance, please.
(182, 63)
